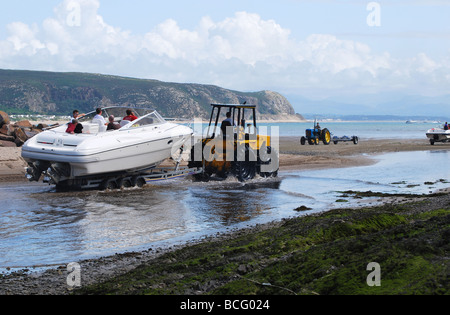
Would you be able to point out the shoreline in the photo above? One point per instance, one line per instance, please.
(293, 157)
(121, 273)
(299, 255)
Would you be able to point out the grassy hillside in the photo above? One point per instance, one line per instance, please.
(37, 92)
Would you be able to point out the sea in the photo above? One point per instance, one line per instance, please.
(42, 228)
(363, 130)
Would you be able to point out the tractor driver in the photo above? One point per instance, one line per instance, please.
(232, 123)
(319, 130)
(227, 123)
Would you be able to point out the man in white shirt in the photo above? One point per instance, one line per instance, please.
(99, 118)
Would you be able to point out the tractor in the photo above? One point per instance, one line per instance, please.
(315, 135)
(234, 148)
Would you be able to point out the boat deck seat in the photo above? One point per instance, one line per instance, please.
(91, 128)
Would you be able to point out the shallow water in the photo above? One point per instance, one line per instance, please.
(40, 227)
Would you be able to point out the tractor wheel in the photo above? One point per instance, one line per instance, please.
(203, 177)
(193, 163)
(303, 141)
(245, 170)
(267, 159)
(326, 137)
(311, 141)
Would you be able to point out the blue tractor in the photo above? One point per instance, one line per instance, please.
(315, 135)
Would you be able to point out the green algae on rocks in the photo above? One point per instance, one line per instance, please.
(326, 254)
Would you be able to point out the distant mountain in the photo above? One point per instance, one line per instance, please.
(367, 118)
(383, 104)
(25, 92)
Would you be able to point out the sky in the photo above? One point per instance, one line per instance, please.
(317, 49)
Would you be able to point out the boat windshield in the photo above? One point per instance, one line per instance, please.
(150, 119)
(145, 116)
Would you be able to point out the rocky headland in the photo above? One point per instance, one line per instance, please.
(60, 93)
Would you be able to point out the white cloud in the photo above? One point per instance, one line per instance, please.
(243, 52)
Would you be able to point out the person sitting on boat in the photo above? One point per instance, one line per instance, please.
(99, 118)
(75, 127)
(446, 126)
(76, 115)
(112, 125)
(130, 116)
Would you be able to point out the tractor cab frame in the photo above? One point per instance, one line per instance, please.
(232, 146)
(238, 114)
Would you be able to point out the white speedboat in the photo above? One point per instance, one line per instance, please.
(137, 146)
(438, 135)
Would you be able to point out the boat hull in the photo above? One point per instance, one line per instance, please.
(79, 156)
(438, 135)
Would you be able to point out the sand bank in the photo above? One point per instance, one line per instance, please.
(293, 156)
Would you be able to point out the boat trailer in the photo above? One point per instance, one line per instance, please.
(353, 139)
(119, 181)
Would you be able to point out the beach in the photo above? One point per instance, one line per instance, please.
(293, 156)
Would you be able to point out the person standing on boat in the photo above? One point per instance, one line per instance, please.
(99, 118)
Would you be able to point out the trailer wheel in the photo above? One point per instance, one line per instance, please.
(355, 140)
(125, 183)
(140, 182)
(109, 184)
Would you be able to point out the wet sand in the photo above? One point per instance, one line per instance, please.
(12, 166)
(293, 156)
(345, 154)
